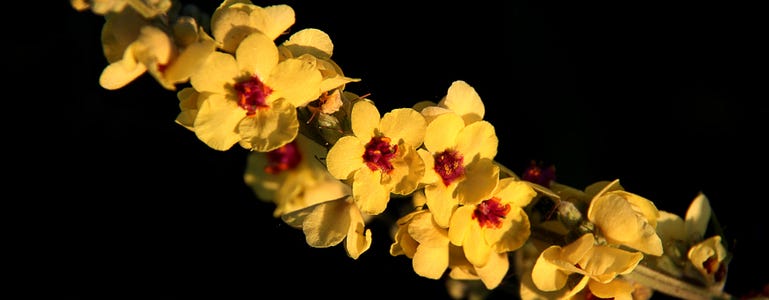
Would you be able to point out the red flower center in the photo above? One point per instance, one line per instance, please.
(490, 213)
(449, 165)
(283, 158)
(378, 154)
(252, 94)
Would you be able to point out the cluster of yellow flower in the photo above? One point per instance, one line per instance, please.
(330, 161)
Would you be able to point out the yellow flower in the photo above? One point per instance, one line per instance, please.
(147, 8)
(315, 46)
(627, 219)
(251, 98)
(329, 223)
(379, 157)
(292, 176)
(234, 20)
(461, 99)
(685, 237)
(707, 257)
(133, 46)
(427, 245)
(691, 229)
(495, 225)
(418, 237)
(459, 164)
(596, 266)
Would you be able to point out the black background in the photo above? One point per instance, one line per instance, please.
(117, 199)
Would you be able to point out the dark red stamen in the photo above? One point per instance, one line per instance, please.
(449, 165)
(378, 154)
(537, 174)
(283, 158)
(252, 94)
(490, 213)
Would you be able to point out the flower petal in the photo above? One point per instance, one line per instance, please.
(514, 232)
(480, 180)
(616, 289)
(345, 157)
(257, 55)
(406, 124)
(431, 262)
(369, 194)
(217, 121)
(297, 80)
(604, 263)
(476, 249)
(697, 217)
(441, 203)
(461, 221)
(477, 140)
(407, 173)
(494, 271)
(269, 129)
(547, 276)
(216, 73)
(621, 223)
(441, 133)
(358, 237)
(280, 18)
(465, 101)
(427, 233)
(310, 41)
(365, 119)
(327, 224)
(515, 192)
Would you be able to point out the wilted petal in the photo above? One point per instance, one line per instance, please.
(604, 263)
(327, 224)
(358, 237)
(269, 129)
(621, 223)
(617, 289)
(709, 249)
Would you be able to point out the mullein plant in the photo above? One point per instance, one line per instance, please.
(331, 162)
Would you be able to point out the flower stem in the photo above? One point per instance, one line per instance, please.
(672, 286)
